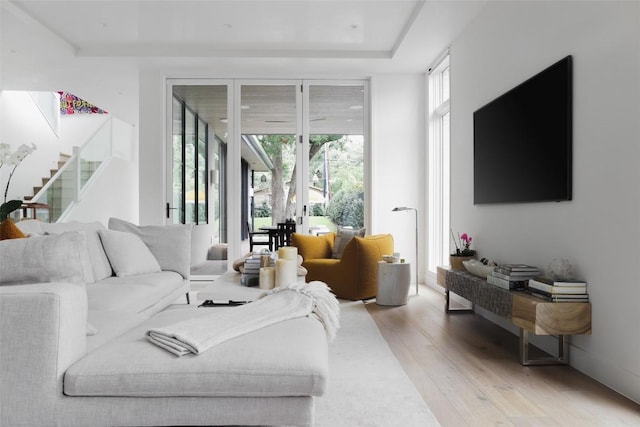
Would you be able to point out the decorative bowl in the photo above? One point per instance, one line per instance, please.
(390, 258)
(477, 268)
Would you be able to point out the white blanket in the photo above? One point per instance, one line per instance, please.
(200, 334)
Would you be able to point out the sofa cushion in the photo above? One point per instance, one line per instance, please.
(170, 244)
(286, 359)
(134, 294)
(343, 236)
(99, 262)
(44, 259)
(127, 254)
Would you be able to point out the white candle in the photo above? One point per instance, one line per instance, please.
(286, 272)
(267, 277)
(288, 252)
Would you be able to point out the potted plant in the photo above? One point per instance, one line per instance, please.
(463, 251)
(7, 227)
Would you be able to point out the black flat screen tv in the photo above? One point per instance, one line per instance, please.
(522, 141)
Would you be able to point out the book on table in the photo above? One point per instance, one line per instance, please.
(505, 283)
(559, 298)
(552, 289)
(560, 282)
(516, 270)
(513, 276)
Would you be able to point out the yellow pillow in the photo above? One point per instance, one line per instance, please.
(313, 247)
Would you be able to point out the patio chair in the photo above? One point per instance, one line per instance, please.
(258, 238)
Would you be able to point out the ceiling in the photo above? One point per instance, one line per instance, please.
(97, 48)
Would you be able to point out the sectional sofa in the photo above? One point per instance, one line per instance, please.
(76, 301)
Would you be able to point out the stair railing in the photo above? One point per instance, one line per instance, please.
(66, 187)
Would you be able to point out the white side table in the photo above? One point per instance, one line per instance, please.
(393, 283)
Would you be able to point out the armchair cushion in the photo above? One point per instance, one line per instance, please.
(313, 247)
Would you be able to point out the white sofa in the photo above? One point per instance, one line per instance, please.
(73, 348)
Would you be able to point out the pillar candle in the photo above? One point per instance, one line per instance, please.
(286, 272)
(267, 277)
(288, 252)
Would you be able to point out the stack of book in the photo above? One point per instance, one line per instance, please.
(558, 290)
(512, 276)
(251, 271)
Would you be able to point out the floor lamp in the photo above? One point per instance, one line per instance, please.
(404, 208)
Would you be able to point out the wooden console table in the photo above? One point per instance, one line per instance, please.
(530, 314)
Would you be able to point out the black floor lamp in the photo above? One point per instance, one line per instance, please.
(404, 208)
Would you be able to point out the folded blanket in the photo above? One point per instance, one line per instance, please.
(299, 300)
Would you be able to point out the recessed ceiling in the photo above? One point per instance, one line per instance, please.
(239, 28)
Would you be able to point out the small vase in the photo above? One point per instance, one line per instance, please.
(456, 261)
(8, 230)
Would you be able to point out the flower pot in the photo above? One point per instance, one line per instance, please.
(456, 261)
(8, 230)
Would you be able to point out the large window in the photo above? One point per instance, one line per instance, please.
(439, 118)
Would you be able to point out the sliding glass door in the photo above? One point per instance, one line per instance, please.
(249, 154)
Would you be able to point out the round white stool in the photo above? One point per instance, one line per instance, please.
(393, 283)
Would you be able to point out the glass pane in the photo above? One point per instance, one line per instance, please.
(190, 167)
(336, 157)
(60, 193)
(201, 194)
(178, 192)
(445, 84)
(94, 153)
(269, 147)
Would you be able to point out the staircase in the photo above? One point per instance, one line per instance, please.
(61, 192)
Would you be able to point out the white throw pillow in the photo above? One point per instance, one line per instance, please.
(127, 253)
(343, 236)
(170, 244)
(99, 262)
(44, 259)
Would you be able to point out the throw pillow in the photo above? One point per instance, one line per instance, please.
(99, 262)
(170, 244)
(43, 259)
(127, 253)
(343, 236)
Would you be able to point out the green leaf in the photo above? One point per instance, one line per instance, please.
(8, 207)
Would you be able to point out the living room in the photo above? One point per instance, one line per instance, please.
(493, 47)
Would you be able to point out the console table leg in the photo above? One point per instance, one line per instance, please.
(448, 309)
(563, 352)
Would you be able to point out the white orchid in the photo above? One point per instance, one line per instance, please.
(12, 159)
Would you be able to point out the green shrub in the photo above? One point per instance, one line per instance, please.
(317, 210)
(347, 209)
(262, 211)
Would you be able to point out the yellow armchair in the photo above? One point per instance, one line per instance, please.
(355, 275)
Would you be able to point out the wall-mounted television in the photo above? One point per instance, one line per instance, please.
(522, 141)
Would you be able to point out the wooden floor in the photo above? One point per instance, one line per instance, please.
(467, 371)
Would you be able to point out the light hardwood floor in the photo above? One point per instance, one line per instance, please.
(467, 371)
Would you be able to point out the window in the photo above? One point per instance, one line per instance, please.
(438, 151)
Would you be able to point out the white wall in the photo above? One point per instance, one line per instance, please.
(599, 230)
(398, 163)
